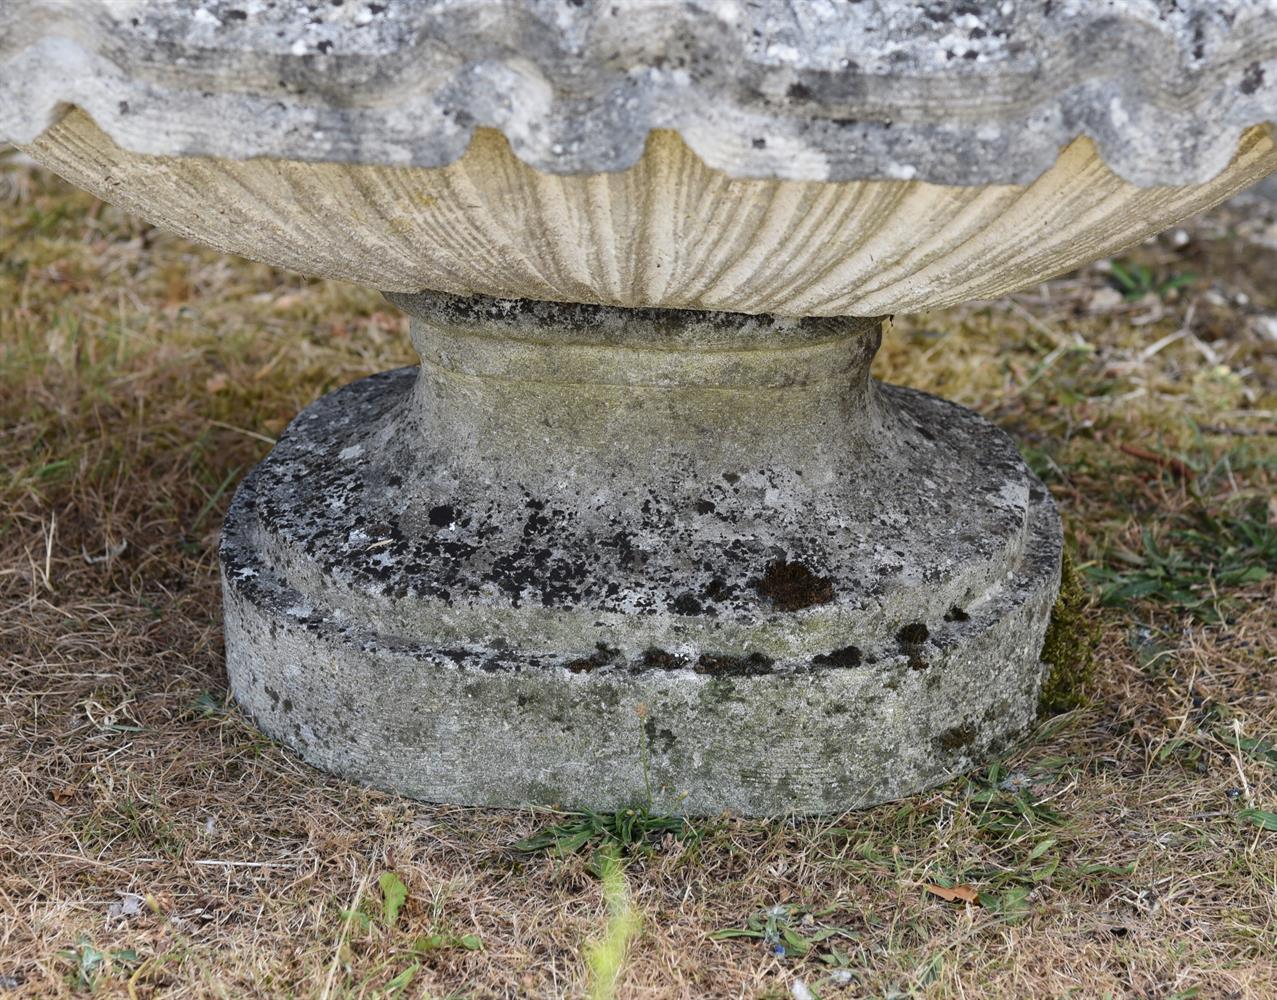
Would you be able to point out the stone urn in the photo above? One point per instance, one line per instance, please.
(641, 530)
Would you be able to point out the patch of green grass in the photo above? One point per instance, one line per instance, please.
(1135, 281)
(605, 957)
(1005, 808)
(134, 821)
(629, 828)
(1258, 748)
(441, 940)
(91, 966)
(374, 925)
(393, 896)
(1261, 818)
(792, 930)
(1192, 561)
(208, 705)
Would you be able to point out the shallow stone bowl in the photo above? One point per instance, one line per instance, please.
(668, 232)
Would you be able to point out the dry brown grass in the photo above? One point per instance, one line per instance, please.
(141, 376)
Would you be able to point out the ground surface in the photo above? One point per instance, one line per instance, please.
(152, 844)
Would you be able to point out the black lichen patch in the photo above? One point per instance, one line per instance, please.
(734, 666)
(910, 639)
(956, 614)
(603, 655)
(791, 586)
(662, 660)
(1252, 79)
(956, 738)
(659, 739)
(687, 604)
(913, 634)
(443, 515)
(720, 665)
(847, 656)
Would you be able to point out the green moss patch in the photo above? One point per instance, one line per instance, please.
(1070, 643)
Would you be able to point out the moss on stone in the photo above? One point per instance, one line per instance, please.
(1069, 648)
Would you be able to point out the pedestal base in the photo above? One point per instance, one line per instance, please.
(809, 633)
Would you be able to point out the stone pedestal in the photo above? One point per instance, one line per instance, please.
(602, 557)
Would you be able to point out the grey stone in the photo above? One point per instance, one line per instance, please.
(948, 92)
(602, 557)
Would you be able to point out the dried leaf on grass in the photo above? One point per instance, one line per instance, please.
(955, 894)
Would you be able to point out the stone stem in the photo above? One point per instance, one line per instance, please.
(547, 393)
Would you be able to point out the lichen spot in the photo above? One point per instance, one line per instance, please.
(791, 586)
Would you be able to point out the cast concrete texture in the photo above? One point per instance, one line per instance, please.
(604, 558)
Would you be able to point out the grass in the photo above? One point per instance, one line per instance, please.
(154, 844)
(606, 957)
(630, 829)
(1196, 559)
(1135, 281)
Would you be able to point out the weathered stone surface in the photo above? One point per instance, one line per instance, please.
(948, 92)
(585, 554)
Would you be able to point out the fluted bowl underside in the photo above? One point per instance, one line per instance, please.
(669, 232)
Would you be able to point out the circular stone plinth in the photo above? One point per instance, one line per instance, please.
(742, 641)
